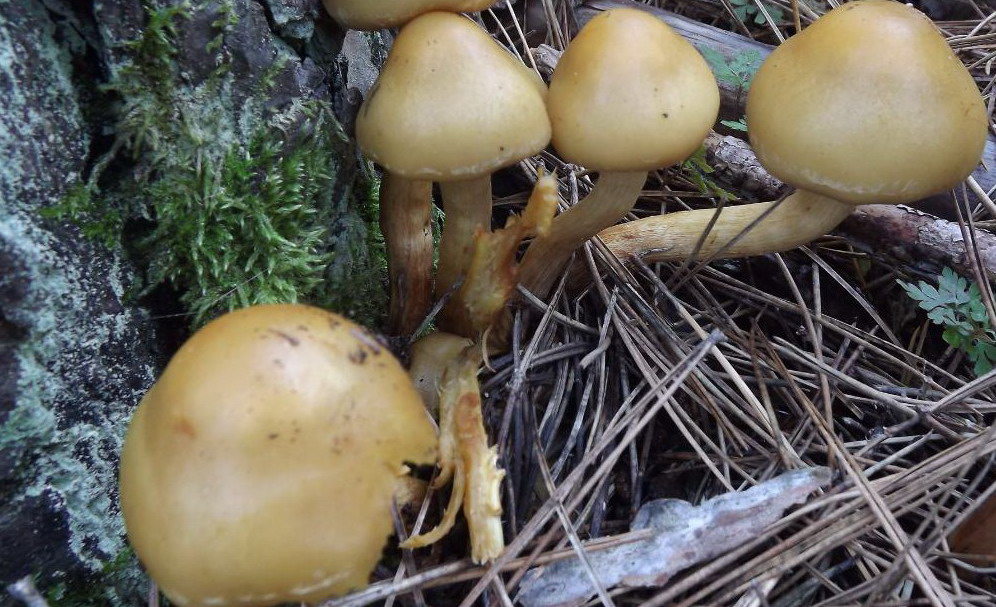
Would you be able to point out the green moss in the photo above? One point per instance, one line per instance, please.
(247, 205)
(98, 221)
(254, 226)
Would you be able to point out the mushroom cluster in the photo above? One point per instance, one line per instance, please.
(260, 467)
(867, 105)
(450, 106)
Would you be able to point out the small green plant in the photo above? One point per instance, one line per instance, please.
(748, 9)
(97, 220)
(696, 168)
(957, 305)
(736, 125)
(737, 72)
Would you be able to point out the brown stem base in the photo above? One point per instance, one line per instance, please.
(405, 207)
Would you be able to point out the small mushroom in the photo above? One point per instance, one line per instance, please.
(453, 106)
(260, 467)
(867, 105)
(405, 204)
(629, 95)
(430, 355)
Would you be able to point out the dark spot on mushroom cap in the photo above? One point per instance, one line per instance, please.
(272, 435)
(286, 336)
(185, 427)
(368, 339)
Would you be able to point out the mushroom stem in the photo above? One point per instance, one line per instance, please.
(796, 220)
(492, 273)
(613, 196)
(467, 205)
(405, 209)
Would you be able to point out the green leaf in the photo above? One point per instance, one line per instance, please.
(977, 312)
(736, 125)
(956, 304)
(930, 294)
(942, 316)
(912, 290)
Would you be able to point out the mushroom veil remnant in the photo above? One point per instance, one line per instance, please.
(260, 467)
(867, 105)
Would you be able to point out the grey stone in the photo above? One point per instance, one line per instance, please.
(295, 18)
(74, 359)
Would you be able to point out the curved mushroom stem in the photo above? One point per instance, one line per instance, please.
(796, 220)
(612, 197)
(468, 206)
(405, 209)
(492, 273)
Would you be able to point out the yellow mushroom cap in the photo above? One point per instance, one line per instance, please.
(378, 14)
(260, 467)
(629, 94)
(867, 105)
(451, 104)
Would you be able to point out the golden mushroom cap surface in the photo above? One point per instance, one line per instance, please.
(629, 94)
(378, 14)
(259, 468)
(867, 105)
(451, 104)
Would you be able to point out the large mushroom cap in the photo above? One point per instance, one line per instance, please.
(629, 94)
(451, 104)
(378, 14)
(259, 468)
(868, 104)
